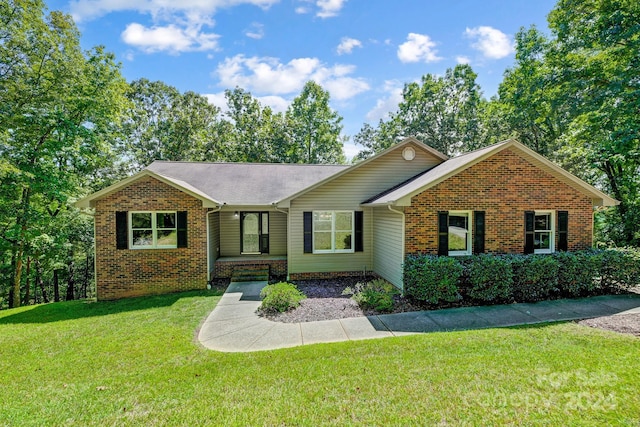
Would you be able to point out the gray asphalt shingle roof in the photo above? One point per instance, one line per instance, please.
(245, 183)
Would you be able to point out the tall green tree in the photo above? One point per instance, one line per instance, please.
(164, 124)
(443, 112)
(528, 101)
(595, 57)
(258, 134)
(57, 103)
(314, 127)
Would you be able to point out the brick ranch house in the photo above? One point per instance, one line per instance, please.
(176, 225)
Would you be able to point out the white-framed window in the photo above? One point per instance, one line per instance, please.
(460, 233)
(544, 232)
(153, 230)
(333, 232)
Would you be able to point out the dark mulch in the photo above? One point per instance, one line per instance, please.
(325, 301)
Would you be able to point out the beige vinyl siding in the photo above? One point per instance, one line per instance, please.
(230, 232)
(346, 193)
(277, 233)
(388, 244)
(214, 238)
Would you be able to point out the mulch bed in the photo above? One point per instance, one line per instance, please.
(325, 301)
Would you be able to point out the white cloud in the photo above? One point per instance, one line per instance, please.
(350, 150)
(418, 48)
(347, 44)
(491, 42)
(255, 32)
(177, 25)
(170, 38)
(85, 10)
(345, 87)
(277, 103)
(463, 60)
(388, 104)
(329, 8)
(218, 100)
(269, 75)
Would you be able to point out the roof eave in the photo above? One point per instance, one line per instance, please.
(89, 201)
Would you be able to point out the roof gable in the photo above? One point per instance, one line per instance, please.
(403, 194)
(413, 142)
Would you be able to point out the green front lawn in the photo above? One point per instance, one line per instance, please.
(136, 362)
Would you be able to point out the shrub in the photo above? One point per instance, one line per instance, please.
(280, 297)
(490, 278)
(620, 268)
(578, 272)
(534, 277)
(376, 294)
(432, 279)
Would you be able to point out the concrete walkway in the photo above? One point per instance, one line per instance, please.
(234, 326)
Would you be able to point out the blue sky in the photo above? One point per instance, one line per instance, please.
(362, 52)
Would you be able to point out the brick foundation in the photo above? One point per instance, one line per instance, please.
(504, 186)
(329, 275)
(224, 269)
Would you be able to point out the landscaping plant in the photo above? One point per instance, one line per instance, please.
(280, 297)
(376, 294)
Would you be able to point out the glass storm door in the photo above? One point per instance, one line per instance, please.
(255, 232)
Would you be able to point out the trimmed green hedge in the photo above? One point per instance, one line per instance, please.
(491, 279)
(431, 278)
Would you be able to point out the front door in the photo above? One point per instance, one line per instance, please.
(254, 232)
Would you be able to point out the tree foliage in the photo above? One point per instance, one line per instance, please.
(164, 124)
(443, 112)
(573, 97)
(314, 127)
(57, 103)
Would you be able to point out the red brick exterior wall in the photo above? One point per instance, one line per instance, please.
(124, 273)
(504, 186)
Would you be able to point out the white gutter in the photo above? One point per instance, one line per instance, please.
(209, 243)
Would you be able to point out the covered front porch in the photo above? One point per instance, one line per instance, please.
(247, 240)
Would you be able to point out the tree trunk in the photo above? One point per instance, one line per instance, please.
(85, 280)
(21, 222)
(70, 281)
(43, 291)
(27, 288)
(56, 286)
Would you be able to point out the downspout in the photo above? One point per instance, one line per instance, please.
(209, 245)
(403, 236)
(275, 207)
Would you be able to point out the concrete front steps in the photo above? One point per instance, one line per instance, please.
(250, 273)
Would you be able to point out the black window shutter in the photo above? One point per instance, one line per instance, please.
(359, 244)
(122, 230)
(443, 233)
(181, 222)
(529, 220)
(563, 229)
(478, 235)
(308, 232)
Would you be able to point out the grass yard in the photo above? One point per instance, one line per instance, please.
(136, 362)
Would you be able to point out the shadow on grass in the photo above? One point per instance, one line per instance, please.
(70, 310)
